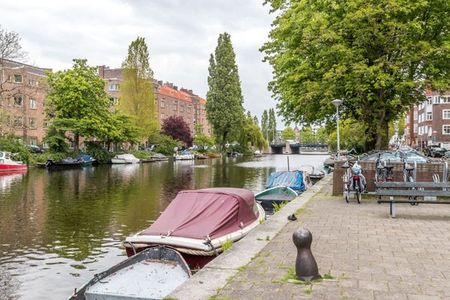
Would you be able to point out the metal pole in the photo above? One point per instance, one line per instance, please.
(288, 162)
(337, 131)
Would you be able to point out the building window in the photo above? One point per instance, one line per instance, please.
(181, 108)
(33, 104)
(32, 123)
(445, 99)
(429, 116)
(445, 129)
(18, 121)
(446, 114)
(18, 100)
(175, 106)
(162, 104)
(32, 141)
(17, 78)
(114, 87)
(163, 116)
(114, 100)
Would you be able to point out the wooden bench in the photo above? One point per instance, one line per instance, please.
(412, 193)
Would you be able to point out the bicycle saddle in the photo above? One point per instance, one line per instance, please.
(389, 167)
(346, 165)
(408, 167)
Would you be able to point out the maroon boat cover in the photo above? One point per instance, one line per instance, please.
(206, 213)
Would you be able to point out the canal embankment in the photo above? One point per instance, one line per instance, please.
(207, 282)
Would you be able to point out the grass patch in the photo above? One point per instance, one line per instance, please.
(278, 206)
(227, 245)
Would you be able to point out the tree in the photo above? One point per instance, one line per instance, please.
(137, 97)
(376, 55)
(203, 142)
(288, 134)
(255, 120)
(271, 125)
(321, 135)
(251, 136)
(77, 102)
(307, 135)
(265, 125)
(224, 108)
(177, 128)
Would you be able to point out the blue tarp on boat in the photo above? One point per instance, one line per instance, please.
(292, 179)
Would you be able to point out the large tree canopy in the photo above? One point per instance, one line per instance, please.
(224, 98)
(137, 97)
(377, 55)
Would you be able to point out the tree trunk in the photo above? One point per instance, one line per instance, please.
(377, 132)
(77, 142)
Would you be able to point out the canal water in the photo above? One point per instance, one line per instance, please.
(58, 229)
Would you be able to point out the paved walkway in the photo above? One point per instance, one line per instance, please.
(368, 254)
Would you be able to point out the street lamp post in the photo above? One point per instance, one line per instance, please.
(337, 103)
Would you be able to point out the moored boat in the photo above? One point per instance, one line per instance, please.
(313, 173)
(200, 223)
(66, 163)
(282, 186)
(8, 165)
(159, 157)
(184, 155)
(125, 159)
(151, 274)
(275, 195)
(86, 159)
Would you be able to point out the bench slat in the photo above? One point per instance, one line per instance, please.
(420, 184)
(413, 193)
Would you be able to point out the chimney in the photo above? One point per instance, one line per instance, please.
(101, 71)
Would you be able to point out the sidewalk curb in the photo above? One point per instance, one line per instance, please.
(215, 275)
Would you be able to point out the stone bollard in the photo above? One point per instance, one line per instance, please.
(305, 264)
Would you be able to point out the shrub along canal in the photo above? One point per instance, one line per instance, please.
(59, 228)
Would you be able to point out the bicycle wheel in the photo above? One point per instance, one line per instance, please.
(358, 195)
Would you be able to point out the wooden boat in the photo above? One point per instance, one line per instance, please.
(200, 223)
(275, 195)
(66, 163)
(125, 159)
(151, 274)
(201, 156)
(8, 165)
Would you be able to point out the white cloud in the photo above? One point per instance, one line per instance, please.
(181, 35)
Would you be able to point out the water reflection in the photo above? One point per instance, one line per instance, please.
(67, 225)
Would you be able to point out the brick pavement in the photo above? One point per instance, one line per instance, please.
(368, 254)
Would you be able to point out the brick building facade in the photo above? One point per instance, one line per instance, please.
(22, 98)
(429, 122)
(170, 100)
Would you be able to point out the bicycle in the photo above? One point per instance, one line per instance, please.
(352, 182)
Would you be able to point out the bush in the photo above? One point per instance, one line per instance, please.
(98, 152)
(44, 157)
(142, 154)
(14, 145)
(164, 143)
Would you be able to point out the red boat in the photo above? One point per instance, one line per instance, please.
(9, 165)
(200, 224)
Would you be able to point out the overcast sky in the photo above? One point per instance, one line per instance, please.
(181, 34)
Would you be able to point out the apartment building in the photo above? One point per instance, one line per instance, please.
(22, 97)
(429, 122)
(169, 100)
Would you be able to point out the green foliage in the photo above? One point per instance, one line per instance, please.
(271, 125)
(307, 136)
(251, 136)
(164, 143)
(224, 108)
(203, 142)
(137, 97)
(379, 56)
(278, 206)
(98, 151)
(352, 135)
(227, 245)
(141, 154)
(77, 102)
(288, 134)
(265, 125)
(322, 135)
(42, 158)
(55, 139)
(16, 147)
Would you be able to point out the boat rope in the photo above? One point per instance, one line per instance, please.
(209, 243)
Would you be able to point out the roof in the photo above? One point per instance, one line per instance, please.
(171, 92)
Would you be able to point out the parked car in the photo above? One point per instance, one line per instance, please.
(447, 154)
(35, 149)
(437, 151)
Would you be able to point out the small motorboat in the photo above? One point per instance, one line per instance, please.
(86, 159)
(7, 164)
(281, 186)
(125, 159)
(65, 163)
(184, 155)
(201, 156)
(257, 153)
(201, 223)
(313, 174)
(159, 157)
(275, 196)
(151, 274)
